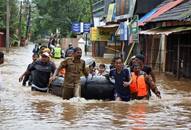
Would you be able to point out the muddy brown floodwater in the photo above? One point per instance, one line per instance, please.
(21, 109)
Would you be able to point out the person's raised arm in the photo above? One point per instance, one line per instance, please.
(152, 86)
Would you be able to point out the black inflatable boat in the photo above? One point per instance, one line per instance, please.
(97, 87)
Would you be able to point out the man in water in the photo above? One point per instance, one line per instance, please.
(140, 59)
(122, 80)
(141, 84)
(41, 72)
(73, 68)
(27, 76)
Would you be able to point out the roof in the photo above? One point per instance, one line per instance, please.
(159, 10)
(181, 12)
(149, 14)
(147, 6)
(164, 9)
(165, 30)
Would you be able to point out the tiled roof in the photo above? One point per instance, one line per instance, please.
(164, 7)
(181, 12)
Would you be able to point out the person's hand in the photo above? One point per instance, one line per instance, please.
(20, 78)
(126, 84)
(158, 95)
(52, 78)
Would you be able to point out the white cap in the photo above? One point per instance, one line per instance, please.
(46, 54)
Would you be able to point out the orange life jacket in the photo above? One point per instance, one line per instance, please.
(138, 85)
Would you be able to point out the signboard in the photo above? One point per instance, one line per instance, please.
(80, 27)
(123, 31)
(76, 27)
(98, 35)
(86, 27)
(135, 29)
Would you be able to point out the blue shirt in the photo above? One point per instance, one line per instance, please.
(119, 78)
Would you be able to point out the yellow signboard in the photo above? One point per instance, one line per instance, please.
(98, 35)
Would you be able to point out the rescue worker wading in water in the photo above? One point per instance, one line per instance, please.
(141, 83)
(73, 68)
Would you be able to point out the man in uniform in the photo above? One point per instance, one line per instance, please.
(73, 68)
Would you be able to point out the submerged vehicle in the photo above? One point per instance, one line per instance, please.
(96, 87)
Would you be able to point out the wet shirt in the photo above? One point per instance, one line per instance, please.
(119, 78)
(73, 71)
(41, 73)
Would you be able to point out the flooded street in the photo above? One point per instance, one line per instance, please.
(21, 109)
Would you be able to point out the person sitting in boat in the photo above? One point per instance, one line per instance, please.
(122, 80)
(101, 70)
(27, 76)
(141, 84)
(41, 72)
(92, 70)
(73, 67)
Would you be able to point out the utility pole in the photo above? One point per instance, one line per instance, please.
(7, 25)
(20, 24)
(28, 19)
(91, 10)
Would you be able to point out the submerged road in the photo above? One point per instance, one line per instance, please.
(21, 109)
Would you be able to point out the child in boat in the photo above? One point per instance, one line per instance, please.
(92, 70)
(101, 70)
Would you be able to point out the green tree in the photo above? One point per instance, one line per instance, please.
(59, 14)
(13, 17)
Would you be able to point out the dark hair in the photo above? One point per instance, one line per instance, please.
(118, 58)
(77, 49)
(93, 64)
(102, 65)
(43, 46)
(140, 57)
(35, 55)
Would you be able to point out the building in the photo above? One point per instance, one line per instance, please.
(99, 10)
(109, 16)
(166, 42)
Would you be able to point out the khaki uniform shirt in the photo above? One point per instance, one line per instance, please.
(73, 71)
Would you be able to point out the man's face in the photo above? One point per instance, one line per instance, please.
(138, 61)
(136, 68)
(118, 64)
(44, 58)
(78, 54)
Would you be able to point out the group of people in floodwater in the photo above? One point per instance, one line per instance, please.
(135, 81)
